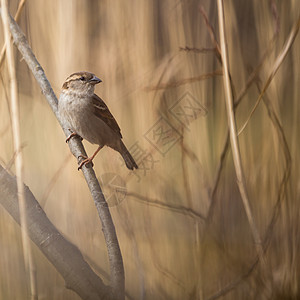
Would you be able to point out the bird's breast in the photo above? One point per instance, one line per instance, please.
(79, 114)
(75, 111)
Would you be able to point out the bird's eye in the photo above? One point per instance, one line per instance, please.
(82, 78)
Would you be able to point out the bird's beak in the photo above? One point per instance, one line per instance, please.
(95, 80)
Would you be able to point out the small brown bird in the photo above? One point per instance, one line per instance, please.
(89, 117)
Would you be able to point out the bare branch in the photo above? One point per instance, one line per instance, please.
(175, 208)
(164, 86)
(76, 147)
(275, 68)
(64, 256)
(211, 33)
(197, 50)
(233, 136)
(229, 287)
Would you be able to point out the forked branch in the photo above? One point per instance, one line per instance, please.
(76, 147)
(64, 256)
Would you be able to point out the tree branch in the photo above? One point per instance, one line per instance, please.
(64, 256)
(77, 149)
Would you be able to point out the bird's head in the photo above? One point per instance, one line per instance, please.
(81, 83)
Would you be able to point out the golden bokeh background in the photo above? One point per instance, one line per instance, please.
(169, 251)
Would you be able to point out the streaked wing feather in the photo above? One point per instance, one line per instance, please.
(103, 113)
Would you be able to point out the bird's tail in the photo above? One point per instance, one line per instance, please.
(129, 161)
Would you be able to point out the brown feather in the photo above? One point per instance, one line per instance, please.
(103, 113)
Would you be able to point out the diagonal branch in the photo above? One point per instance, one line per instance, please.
(76, 147)
(64, 256)
(180, 209)
(275, 68)
(180, 82)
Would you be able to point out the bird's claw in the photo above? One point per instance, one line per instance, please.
(86, 160)
(71, 135)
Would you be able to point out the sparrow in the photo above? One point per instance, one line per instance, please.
(88, 116)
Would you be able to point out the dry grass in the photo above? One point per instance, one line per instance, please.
(169, 251)
(26, 245)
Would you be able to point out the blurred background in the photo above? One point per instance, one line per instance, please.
(180, 221)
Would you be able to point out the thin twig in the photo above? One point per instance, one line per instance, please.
(197, 50)
(280, 58)
(288, 162)
(229, 287)
(253, 76)
(274, 11)
(175, 208)
(217, 180)
(233, 136)
(169, 85)
(19, 156)
(215, 42)
(211, 33)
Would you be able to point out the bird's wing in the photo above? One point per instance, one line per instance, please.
(103, 113)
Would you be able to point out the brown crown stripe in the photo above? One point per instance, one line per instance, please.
(77, 76)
